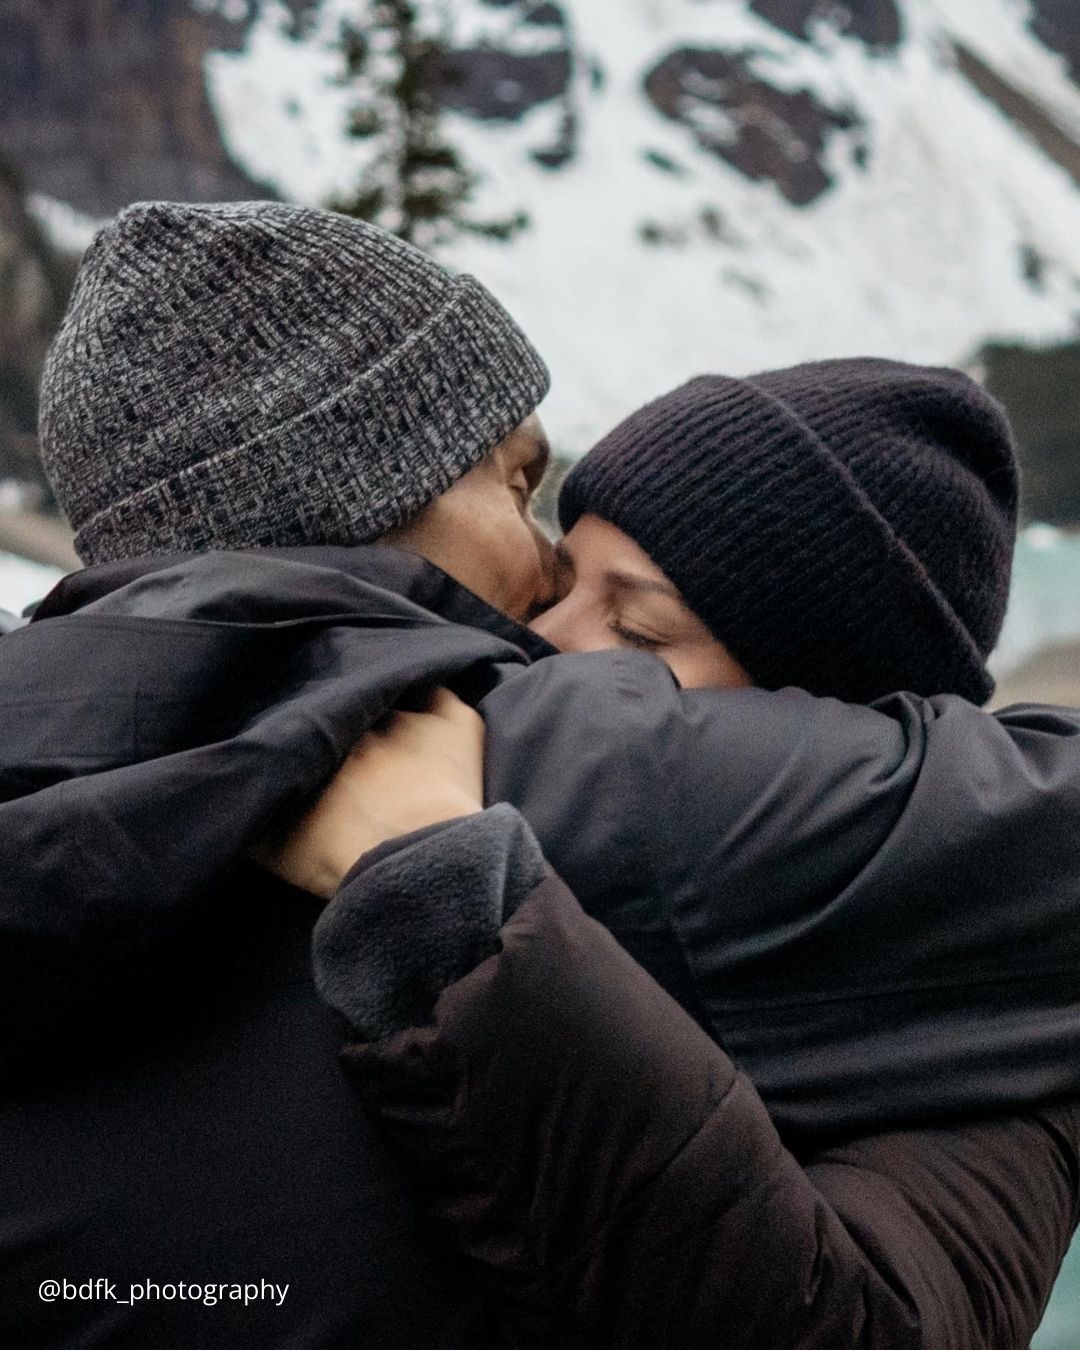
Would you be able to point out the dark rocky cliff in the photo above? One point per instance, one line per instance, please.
(1041, 390)
(34, 281)
(103, 101)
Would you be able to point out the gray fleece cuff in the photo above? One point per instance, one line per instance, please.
(416, 915)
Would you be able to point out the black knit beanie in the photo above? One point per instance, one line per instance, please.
(843, 526)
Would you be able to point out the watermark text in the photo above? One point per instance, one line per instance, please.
(167, 1291)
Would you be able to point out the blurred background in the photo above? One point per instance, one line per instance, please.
(654, 187)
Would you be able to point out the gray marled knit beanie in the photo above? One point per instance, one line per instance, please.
(247, 374)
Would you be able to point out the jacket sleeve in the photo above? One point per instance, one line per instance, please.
(577, 1134)
(875, 907)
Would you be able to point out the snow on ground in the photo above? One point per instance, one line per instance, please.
(23, 582)
(917, 255)
(67, 229)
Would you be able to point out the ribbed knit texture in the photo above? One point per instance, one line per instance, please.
(229, 376)
(844, 526)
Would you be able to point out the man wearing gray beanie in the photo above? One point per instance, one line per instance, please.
(239, 382)
(256, 374)
(241, 400)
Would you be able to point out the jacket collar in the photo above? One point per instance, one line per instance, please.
(405, 574)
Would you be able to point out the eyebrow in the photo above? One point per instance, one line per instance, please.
(623, 581)
(627, 581)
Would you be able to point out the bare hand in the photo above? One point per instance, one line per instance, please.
(414, 769)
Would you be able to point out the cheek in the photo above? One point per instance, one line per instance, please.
(524, 569)
(709, 667)
(510, 541)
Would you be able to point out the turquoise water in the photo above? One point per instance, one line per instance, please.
(1061, 1328)
(1044, 607)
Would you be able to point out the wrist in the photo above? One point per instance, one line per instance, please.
(332, 870)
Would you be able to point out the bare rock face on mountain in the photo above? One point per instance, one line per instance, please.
(1057, 24)
(652, 188)
(502, 82)
(103, 101)
(1039, 389)
(765, 132)
(875, 22)
(33, 286)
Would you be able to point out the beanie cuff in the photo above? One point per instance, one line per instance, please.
(375, 451)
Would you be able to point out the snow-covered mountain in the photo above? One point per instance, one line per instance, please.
(714, 183)
(702, 184)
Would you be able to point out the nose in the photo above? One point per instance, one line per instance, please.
(542, 623)
(570, 627)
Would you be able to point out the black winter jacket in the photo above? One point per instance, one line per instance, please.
(160, 716)
(875, 909)
(578, 1137)
(174, 1123)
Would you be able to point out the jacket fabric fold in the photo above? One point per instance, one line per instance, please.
(583, 1141)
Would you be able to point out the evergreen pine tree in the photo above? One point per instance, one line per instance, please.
(415, 184)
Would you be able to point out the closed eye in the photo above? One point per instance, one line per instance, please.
(635, 639)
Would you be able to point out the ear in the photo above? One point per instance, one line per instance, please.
(525, 449)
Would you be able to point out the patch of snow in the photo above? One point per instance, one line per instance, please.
(13, 495)
(22, 582)
(67, 229)
(235, 11)
(1042, 537)
(1000, 35)
(283, 107)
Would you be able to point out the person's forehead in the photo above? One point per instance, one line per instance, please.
(627, 579)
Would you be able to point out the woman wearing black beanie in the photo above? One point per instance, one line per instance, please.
(847, 527)
(844, 526)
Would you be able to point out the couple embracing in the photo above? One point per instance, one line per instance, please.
(706, 958)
